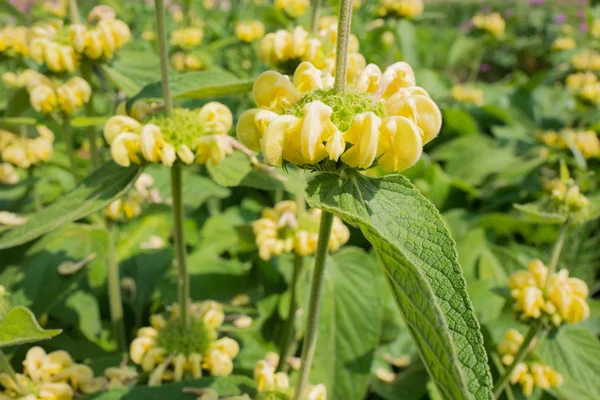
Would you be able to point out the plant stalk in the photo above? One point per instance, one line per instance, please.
(74, 12)
(288, 329)
(86, 73)
(343, 38)
(314, 17)
(114, 289)
(314, 305)
(556, 251)
(183, 282)
(164, 54)
(70, 150)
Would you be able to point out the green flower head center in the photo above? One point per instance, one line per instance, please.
(345, 105)
(197, 339)
(182, 127)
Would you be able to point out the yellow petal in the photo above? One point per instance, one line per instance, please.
(275, 138)
(119, 124)
(316, 128)
(421, 109)
(151, 142)
(252, 126)
(369, 79)
(396, 76)
(274, 91)
(124, 148)
(401, 144)
(307, 78)
(216, 117)
(364, 135)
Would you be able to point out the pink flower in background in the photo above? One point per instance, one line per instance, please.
(485, 68)
(583, 27)
(466, 26)
(509, 13)
(581, 14)
(561, 19)
(22, 5)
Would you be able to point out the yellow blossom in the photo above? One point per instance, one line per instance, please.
(250, 31)
(586, 60)
(467, 94)
(563, 44)
(492, 23)
(401, 8)
(187, 38)
(293, 8)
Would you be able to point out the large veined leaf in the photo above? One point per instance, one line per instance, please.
(228, 386)
(19, 326)
(95, 192)
(236, 170)
(350, 325)
(421, 265)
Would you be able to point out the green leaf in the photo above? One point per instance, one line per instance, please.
(96, 191)
(236, 170)
(129, 87)
(84, 122)
(534, 213)
(350, 325)
(408, 42)
(229, 386)
(19, 326)
(421, 265)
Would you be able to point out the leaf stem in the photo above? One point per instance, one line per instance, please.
(114, 288)
(288, 329)
(314, 305)
(86, 73)
(183, 282)
(164, 54)
(343, 38)
(70, 150)
(314, 17)
(527, 345)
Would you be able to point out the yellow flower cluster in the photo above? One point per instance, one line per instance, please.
(285, 49)
(556, 298)
(527, 374)
(50, 376)
(170, 354)
(249, 31)
(14, 41)
(401, 8)
(381, 118)
(586, 85)
(467, 94)
(293, 8)
(269, 382)
(24, 152)
(283, 229)
(586, 141)
(57, 57)
(8, 175)
(184, 40)
(188, 136)
(588, 60)
(492, 23)
(595, 29)
(563, 44)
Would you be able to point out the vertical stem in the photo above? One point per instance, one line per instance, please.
(343, 38)
(70, 150)
(314, 17)
(164, 54)
(314, 305)
(558, 246)
(114, 289)
(74, 12)
(525, 348)
(86, 73)
(183, 282)
(34, 193)
(288, 329)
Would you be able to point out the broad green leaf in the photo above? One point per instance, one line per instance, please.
(129, 87)
(96, 191)
(349, 325)
(573, 352)
(462, 50)
(228, 386)
(19, 326)
(132, 70)
(133, 234)
(421, 265)
(409, 384)
(236, 170)
(80, 310)
(408, 42)
(535, 214)
(459, 122)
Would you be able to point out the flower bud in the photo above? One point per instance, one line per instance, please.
(227, 346)
(139, 347)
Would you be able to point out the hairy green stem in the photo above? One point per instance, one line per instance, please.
(534, 332)
(114, 289)
(7, 368)
(70, 150)
(164, 54)
(314, 17)
(86, 73)
(343, 38)
(558, 246)
(74, 12)
(183, 282)
(314, 305)
(288, 328)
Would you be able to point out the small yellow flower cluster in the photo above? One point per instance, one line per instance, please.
(285, 49)
(526, 374)
(51, 376)
(188, 136)
(273, 383)
(57, 57)
(130, 205)
(383, 116)
(492, 23)
(586, 85)
(184, 40)
(293, 8)
(8, 175)
(586, 141)
(556, 298)
(282, 229)
(102, 40)
(401, 8)
(249, 31)
(26, 152)
(14, 41)
(564, 44)
(466, 94)
(588, 60)
(169, 353)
